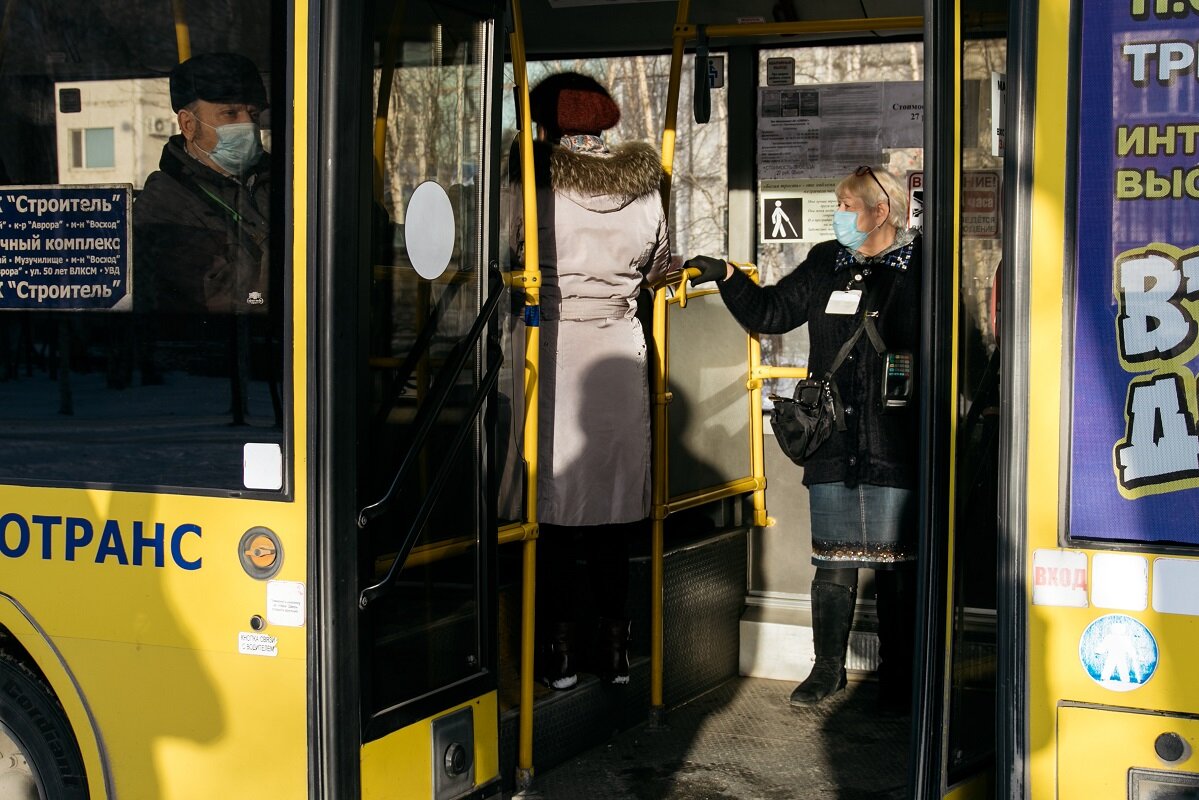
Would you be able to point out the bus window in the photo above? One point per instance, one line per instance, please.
(142, 301)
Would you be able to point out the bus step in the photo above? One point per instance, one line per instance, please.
(704, 594)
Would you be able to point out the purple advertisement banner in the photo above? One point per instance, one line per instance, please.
(1134, 427)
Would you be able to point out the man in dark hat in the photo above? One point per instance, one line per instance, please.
(201, 226)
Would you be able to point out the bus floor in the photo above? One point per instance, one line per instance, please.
(744, 741)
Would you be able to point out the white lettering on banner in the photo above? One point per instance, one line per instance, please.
(1161, 445)
(1153, 327)
(58, 205)
(1172, 57)
(1157, 333)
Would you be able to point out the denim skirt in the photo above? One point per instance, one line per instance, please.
(862, 526)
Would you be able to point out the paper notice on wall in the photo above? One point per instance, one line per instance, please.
(829, 129)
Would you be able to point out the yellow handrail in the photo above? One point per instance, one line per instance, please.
(183, 40)
(530, 280)
(659, 391)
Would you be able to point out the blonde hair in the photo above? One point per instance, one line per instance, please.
(865, 188)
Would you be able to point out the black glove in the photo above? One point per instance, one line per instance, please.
(710, 269)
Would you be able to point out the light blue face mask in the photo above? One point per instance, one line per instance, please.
(845, 228)
(237, 146)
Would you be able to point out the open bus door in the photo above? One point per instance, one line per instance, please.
(405, 164)
(960, 195)
(954, 745)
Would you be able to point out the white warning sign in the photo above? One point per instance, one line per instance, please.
(796, 210)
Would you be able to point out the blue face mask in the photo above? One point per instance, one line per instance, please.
(237, 146)
(845, 228)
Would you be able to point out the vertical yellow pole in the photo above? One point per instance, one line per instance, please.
(183, 39)
(660, 394)
(757, 458)
(530, 281)
(660, 488)
(672, 100)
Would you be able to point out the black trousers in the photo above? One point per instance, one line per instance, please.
(606, 551)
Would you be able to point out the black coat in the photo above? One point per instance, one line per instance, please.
(878, 447)
(201, 239)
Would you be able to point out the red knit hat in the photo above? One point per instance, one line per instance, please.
(570, 103)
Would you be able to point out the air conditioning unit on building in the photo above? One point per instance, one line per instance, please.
(163, 127)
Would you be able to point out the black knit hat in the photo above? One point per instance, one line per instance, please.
(217, 78)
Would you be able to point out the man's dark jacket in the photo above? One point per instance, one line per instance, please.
(201, 238)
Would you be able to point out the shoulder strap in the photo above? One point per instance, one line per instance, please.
(845, 348)
(869, 327)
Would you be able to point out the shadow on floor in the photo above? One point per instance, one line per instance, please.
(743, 741)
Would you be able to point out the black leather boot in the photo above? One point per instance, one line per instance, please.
(896, 626)
(832, 616)
(613, 656)
(559, 669)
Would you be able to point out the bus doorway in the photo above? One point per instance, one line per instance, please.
(408, 277)
(951, 739)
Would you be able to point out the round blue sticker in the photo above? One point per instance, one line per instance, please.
(1118, 652)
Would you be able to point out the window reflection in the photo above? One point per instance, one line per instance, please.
(143, 346)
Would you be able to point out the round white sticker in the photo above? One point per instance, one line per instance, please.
(429, 230)
(1118, 652)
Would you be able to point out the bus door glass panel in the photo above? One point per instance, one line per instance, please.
(425, 289)
(143, 317)
(973, 645)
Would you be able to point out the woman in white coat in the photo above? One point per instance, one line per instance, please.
(602, 236)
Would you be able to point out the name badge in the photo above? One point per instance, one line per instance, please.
(845, 302)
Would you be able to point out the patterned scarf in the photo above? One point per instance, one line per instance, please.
(584, 143)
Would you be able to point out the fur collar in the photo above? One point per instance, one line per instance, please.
(631, 170)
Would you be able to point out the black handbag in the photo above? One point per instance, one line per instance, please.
(804, 421)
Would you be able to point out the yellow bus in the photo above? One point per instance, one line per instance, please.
(256, 549)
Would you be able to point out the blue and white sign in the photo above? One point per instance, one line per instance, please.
(1118, 652)
(64, 247)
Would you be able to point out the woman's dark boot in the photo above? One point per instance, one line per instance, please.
(832, 616)
(896, 627)
(559, 669)
(613, 656)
